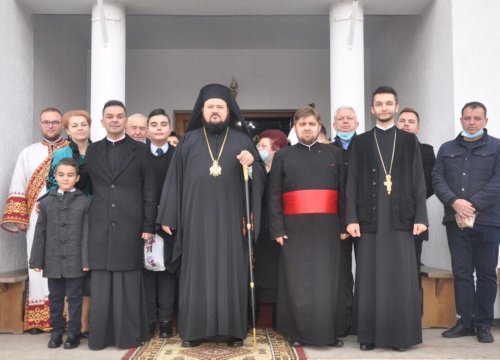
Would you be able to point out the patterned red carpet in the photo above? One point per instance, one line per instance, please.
(270, 346)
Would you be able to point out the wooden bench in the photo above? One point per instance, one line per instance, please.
(438, 298)
(11, 301)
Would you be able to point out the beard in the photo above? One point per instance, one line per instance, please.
(308, 141)
(384, 120)
(217, 128)
(51, 138)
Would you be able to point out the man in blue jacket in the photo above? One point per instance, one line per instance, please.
(466, 178)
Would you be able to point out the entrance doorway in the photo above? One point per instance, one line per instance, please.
(257, 120)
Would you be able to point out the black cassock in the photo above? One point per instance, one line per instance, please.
(303, 204)
(387, 304)
(207, 213)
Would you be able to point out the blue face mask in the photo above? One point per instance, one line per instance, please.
(346, 135)
(264, 155)
(472, 136)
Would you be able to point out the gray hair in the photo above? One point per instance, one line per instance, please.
(340, 108)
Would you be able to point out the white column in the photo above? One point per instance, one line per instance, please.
(108, 60)
(347, 87)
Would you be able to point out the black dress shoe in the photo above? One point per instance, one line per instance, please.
(395, 348)
(366, 346)
(336, 343)
(484, 335)
(458, 331)
(296, 343)
(346, 333)
(235, 342)
(152, 329)
(55, 341)
(85, 334)
(190, 344)
(72, 341)
(35, 331)
(166, 330)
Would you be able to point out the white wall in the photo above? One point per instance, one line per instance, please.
(476, 53)
(60, 67)
(414, 55)
(16, 110)
(268, 79)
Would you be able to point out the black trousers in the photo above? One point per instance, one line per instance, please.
(159, 287)
(73, 290)
(474, 250)
(345, 301)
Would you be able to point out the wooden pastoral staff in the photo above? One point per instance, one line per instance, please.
(438, 298)
(11, 301)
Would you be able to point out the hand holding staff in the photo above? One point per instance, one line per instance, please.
(249, 232)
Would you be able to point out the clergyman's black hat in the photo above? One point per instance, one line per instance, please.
(217, 91)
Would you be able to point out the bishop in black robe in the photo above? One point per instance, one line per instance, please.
(387, 291)
(304, 192)
(207, 214)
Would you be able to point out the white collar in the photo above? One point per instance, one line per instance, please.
(114, 141)
(154, 148)
(59, 191)
(384, 129)
(308, 146)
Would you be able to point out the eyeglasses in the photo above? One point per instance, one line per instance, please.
(46, 123)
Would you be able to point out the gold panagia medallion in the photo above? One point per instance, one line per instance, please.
(215, 169)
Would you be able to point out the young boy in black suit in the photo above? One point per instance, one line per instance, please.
(60, 250)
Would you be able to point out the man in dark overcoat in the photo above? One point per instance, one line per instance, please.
(122, 215)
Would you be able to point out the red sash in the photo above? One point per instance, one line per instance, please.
(310, 202)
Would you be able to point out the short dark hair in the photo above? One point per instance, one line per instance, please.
(410, 110)
(50, 109)
(305, 111)
(322, 129)
(474, 105)
(385, 90)
(113, 103)
(69, 162)
(157, 112)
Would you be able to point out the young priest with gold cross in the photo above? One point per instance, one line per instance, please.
(385, 208)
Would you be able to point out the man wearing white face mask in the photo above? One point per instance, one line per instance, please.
(466, 178)
(345, 124)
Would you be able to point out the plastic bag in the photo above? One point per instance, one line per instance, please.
(153, 254)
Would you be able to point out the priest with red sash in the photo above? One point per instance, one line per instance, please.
(305, 202)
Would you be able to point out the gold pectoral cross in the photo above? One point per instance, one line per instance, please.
(388, 183)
